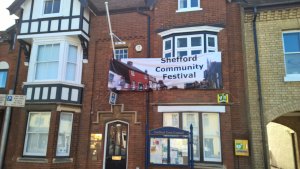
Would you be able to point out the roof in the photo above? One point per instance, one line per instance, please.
(119, 5)
(97, 6)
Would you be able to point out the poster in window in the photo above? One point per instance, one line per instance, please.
(159, 151)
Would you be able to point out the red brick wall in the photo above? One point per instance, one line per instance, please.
(132, 28)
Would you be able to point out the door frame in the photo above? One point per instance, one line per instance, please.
(105, 142)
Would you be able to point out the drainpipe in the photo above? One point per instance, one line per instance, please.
(8, 112)
(261, 111)
(148, 90)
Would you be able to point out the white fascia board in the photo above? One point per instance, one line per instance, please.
(190, 29)
(52, 34)
(216, 109)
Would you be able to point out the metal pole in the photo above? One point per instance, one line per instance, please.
(110, 30)
(192, 147)
(5, 132)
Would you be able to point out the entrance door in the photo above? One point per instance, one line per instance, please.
(116, 147)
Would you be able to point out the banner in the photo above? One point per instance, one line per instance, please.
(194, 72)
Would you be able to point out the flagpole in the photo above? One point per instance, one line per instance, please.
(110, 30)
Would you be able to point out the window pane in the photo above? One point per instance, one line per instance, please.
(72, 54)
(71, 71)
(211, 137)
(195, 52)
(37, 143)
(194, 3)
(292, 62)
(181, 42)
(39, 122)
(167, 55)
(183, 4)
(181, 53)
(171, 119)
(187, 120)
(3, 77)
(47, 62)
(64, 135)
(196, 41)
(56, 6)
(291, 42)
(179, 151)
(168, 44)
(48, 7)
(52, 70)
(211, 42)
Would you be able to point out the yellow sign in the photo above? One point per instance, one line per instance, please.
(241, 147)
(116, 157)
(223, 98)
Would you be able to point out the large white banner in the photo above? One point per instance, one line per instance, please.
(194, 72)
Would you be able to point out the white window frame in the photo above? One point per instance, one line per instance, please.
(119, 49)
(26, 137)
(289, 77)
(214, 48)
(5, 83)
(63, 54)
(189, 47)
(200, 129)
(70, 141)
(168, 50)
(52, 14)
(189, 8)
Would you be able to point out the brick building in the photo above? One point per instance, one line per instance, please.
(68, 122)
(271, 39)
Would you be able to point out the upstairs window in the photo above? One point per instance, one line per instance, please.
(51, 6)
(47, 62)
(56, 62)
(121, 53)
(189, 45)
(291, 41)
(188, 5)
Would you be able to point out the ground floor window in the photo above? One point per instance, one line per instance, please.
(64, 134)
(206, 130)
(37, 131)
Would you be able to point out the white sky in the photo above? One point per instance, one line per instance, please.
(6, 20)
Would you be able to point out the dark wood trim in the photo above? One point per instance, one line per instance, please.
(30, 17)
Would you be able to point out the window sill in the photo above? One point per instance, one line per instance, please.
(189, 10)
(32, 160)
(62, 160)
(209, 166)
(292, 78)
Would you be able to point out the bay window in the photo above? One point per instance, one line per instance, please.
(55, 62)
(291, 44)
(189, 45)
(64, 134)
(206, 133)
(37, 132)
